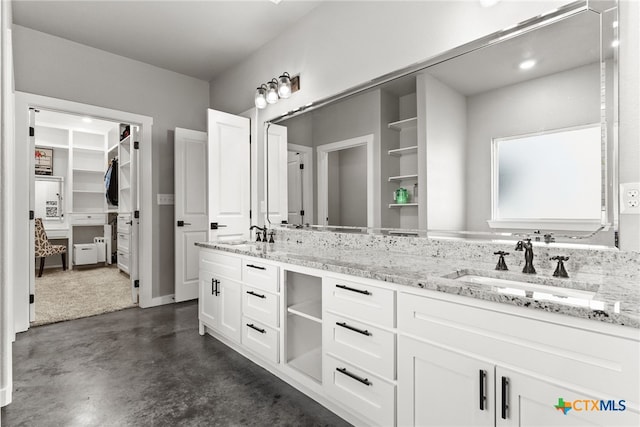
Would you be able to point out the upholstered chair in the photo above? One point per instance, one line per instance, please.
(44, 248)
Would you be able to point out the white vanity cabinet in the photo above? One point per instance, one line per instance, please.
(470, 364)
(359, 348)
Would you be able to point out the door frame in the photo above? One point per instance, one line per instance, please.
(307, 179)
(19, 225)
(323, 175)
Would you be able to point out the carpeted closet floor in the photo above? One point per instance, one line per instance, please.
(81, 292)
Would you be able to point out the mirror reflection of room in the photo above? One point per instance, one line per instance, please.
(436, 133)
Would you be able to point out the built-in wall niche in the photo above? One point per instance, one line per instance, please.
(304, 323)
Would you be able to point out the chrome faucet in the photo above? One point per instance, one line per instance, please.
(527, 246)
(264, 233)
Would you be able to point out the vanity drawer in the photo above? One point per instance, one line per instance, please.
(219, 264)
(88, 218)
(366, 346)
(260, 305)
(124, 223)
(123, 261)
(260, 275)
(260, 338)
(123, 241)
(362, 301)
(363, 393)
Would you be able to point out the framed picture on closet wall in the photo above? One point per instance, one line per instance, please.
(44, 161)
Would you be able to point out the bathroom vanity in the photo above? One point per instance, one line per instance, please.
(391, 336)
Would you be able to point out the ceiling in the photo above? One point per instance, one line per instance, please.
(196, 38)
(71, 121)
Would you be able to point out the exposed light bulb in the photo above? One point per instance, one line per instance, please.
(528, 64)
(615, 43)
(272, 92)
(260, 97)
(284, 85)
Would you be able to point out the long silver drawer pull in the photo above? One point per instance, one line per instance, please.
(354, 329)
(252, 326)
(347, 288)
(256, 266)
(255, 295)
(344, 371)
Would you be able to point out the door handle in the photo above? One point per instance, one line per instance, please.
(215, 225)
(182, 223)
(483, 397)
(214, 287)
(505, 398)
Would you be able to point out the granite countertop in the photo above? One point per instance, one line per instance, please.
(616, 299)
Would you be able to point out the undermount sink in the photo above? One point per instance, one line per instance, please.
(536, 291)
(238, 244)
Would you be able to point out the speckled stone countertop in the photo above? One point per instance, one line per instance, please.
(616, 299)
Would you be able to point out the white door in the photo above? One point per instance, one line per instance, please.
(229, 176)
(190, 209)
(230, 309)
(437, 387)
(294, 185)
(32, 203)
(276, 185)
(134, 264)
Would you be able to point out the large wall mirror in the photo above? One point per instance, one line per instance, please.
(509, 135)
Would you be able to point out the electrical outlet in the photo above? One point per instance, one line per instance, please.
(630, 198)
(166, 199)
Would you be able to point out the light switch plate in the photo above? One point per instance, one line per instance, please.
(630, 198)
(166, 199)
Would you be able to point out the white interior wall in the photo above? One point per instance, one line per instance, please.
(446, 130)
(48, 65)
(353, 186)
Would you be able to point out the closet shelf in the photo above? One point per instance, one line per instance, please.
(403, 177)
(125, 164)
(402, 151)
(89, 170)
(404, 124)
(90, 191)
(126, 140)
(89, 150)
(114, 148)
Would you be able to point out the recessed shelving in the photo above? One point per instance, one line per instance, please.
(403, 151)
(401, 205)
(403, 177)
(88, 170)
(404, 124)
(310, 363)
(89, 150)
(89, 191)
(311, 310)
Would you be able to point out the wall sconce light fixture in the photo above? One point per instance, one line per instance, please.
(282, 87)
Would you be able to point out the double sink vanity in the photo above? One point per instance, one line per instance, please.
(388, 331)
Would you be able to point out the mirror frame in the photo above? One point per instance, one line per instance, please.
(511, 32)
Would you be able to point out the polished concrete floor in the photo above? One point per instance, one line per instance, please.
(146, 368)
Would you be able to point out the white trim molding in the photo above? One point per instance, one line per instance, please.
(19, 223)
(548, 224)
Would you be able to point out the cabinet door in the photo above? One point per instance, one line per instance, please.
(230, 314)
(531, 401)
(208, 303)
(437, 387)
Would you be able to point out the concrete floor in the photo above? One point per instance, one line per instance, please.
(146, 368)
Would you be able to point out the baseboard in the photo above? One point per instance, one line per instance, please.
(5, 396)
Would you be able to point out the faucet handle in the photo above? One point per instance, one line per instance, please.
(502, 265)
(271, 234)
(560, 270)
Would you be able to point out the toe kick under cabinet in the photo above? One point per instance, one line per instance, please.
(376, 353)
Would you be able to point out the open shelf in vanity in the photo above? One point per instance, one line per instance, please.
(304, 324)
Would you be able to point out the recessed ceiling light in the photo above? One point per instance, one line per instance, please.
(87, 119)
(275, 1)
(488, 3)
(528, 64)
